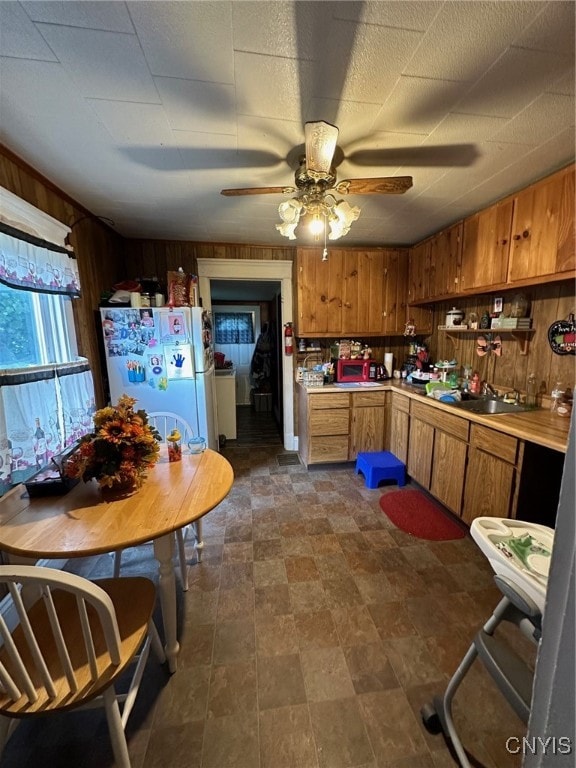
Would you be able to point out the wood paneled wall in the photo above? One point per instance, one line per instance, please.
(97, 247)
(148, 258)
(511, 369)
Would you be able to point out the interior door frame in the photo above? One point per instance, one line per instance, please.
(254, 270)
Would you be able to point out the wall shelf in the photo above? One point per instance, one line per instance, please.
(522, 336)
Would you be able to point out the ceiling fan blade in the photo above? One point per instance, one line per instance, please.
(320, 141)
(388, 185)
(258, 191)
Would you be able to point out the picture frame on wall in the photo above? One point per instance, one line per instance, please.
(498, 304)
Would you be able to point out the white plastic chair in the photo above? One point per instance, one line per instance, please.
(164, 422)
(70, 641)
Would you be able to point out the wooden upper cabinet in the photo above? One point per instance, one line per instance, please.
(543, 229)
(485, 247)
(395, 291)
(320, 287)
(445, 257)
(354, 292)
(419, 272)
(363, 296)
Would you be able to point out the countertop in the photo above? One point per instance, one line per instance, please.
(539, 426)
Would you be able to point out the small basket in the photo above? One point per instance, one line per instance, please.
(312, 378)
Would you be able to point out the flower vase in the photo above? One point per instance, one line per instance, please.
(118, 488)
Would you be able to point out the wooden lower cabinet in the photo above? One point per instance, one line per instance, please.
(448, 470)
(437, 452)
(367, 423)
(397, 426)
(336, 427)
(493, 463)
(420, 448)
(324, 427)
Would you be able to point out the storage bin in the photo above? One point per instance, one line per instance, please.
(262, 402)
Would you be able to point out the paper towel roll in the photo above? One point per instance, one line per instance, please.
(389, 363)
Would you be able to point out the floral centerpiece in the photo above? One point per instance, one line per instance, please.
(120, 450)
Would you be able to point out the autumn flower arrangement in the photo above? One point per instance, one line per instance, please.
(120, 450)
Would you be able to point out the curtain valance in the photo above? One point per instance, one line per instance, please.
(36, 265)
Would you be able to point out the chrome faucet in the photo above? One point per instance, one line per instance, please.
(488, 389)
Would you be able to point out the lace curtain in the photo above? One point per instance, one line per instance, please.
(233, 328)
(43, 408)
(42, 412)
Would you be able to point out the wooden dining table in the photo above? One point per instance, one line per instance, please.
(87, 522)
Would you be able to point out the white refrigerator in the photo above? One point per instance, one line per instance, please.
(164, 358)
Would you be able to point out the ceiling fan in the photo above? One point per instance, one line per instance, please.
(316, 186)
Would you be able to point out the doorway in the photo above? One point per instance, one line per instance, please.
(254, 271)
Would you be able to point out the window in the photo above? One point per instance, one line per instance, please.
(35, 329)
(234, 328)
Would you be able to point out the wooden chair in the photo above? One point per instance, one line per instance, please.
(65, 643)
(164, 422)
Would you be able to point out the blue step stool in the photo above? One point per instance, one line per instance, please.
(380, 465)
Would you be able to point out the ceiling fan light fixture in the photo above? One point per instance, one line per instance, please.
(342, 216)
(321, 210)
(316, 225)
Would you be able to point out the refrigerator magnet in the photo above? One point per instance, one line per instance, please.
(172, 327)
(179, 361)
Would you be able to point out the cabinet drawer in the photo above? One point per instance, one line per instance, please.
(332, 421)
(368, 398)
(438, 419)
(400, 403)
(320, 402)
(328, 448)
(496, 443)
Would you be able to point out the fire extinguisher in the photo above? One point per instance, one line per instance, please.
(288, 339)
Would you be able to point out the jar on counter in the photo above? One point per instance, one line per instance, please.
(564, 408)
(144, 299)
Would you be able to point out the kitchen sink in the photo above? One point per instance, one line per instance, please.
(489, 406)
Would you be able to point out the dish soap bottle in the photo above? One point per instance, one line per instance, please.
(531, 391)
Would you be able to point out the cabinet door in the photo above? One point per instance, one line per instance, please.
(395, 291)
(543, 229)
(331, 421)
(328, 448)
(399, 424)
(419, 272)
(485, 247)
(363, 292)
(489, 486)
(367, 430)
(448, 469)
(445, 257)
(319, 292)
(420, 448)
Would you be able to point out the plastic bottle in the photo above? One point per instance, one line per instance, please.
(556, 395)
(531, 391)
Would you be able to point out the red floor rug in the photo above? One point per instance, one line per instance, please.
(416, 514)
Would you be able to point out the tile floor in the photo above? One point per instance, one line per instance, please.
(312, 633)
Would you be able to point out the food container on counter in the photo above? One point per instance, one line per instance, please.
(454, 317)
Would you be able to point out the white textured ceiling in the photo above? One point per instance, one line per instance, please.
(144, 111)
